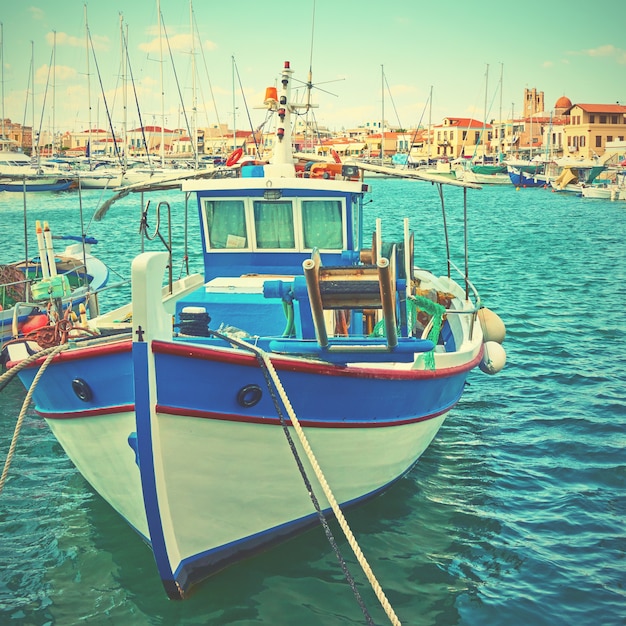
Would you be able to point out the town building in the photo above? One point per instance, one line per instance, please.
(591, 127)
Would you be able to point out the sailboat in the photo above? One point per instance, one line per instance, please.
(19, 172)
(480, 171)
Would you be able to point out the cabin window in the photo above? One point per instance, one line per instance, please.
(273, 224)
(322, 224)
(226, 222)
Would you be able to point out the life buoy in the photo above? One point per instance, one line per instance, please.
(325, 170)
(234, 157)
(34, 322)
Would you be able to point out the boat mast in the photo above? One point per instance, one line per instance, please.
(54, 92)
(124, 53)
(89, 146)
(234, 107)
(500, 143)
(382, 121)
(2, 72)
(33, 154)
(485, 115)
(162, 92)
(430, 120)
(194, 105)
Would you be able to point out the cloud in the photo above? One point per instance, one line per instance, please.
(65, 73)
(605, 51)
(181, 42)
(36, 13)
(400, 90)
(61, 73)
(601, 51)
(64, 40)
(175, 42)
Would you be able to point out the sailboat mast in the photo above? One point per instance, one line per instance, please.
(124, 53)
(234, 107)
(89, 146)
(430, 120)
(54, 89)
(162, 91)
(500, 143)
(194, 107)
(382, 121)
(485, 114)
(2, 72)
(32, 91)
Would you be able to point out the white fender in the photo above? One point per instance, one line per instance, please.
(494, 358)
(492, 325)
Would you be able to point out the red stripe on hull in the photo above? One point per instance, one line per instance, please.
(109, 410)
(296, 365)
(274, 421)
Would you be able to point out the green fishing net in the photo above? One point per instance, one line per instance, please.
(421, 303)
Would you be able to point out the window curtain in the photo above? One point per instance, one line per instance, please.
(322, 224)
(273, 222)
(227, 224)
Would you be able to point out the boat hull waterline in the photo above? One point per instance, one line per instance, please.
(227, 458)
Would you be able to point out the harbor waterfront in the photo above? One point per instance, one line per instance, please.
(514, 515)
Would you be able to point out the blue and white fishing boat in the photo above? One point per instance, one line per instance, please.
(531, 173)
(306, 369)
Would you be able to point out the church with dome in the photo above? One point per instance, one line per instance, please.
(576, 130)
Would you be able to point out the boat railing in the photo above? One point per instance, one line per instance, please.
(469, 286)
(144, 230)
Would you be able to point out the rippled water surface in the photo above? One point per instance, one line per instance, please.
(514, 515)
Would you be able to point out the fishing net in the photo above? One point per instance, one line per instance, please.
(13, 287)
(435, 311)
(420, 311)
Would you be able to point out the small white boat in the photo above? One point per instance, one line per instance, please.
(614, 189)
(19, 173)
(574, 174)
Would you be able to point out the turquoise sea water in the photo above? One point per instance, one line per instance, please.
(515, 514)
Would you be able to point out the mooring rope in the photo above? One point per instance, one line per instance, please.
(311, 492)
(380, 594)
(51, 353)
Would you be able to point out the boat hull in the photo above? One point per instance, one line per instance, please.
(189, 439)
(519, 178)
(34, 184)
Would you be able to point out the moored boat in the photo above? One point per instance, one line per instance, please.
(576, 173)
(613, 188)
(19, 173)
(48, 287)
(304, 370)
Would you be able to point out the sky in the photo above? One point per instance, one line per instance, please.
(409, 60)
